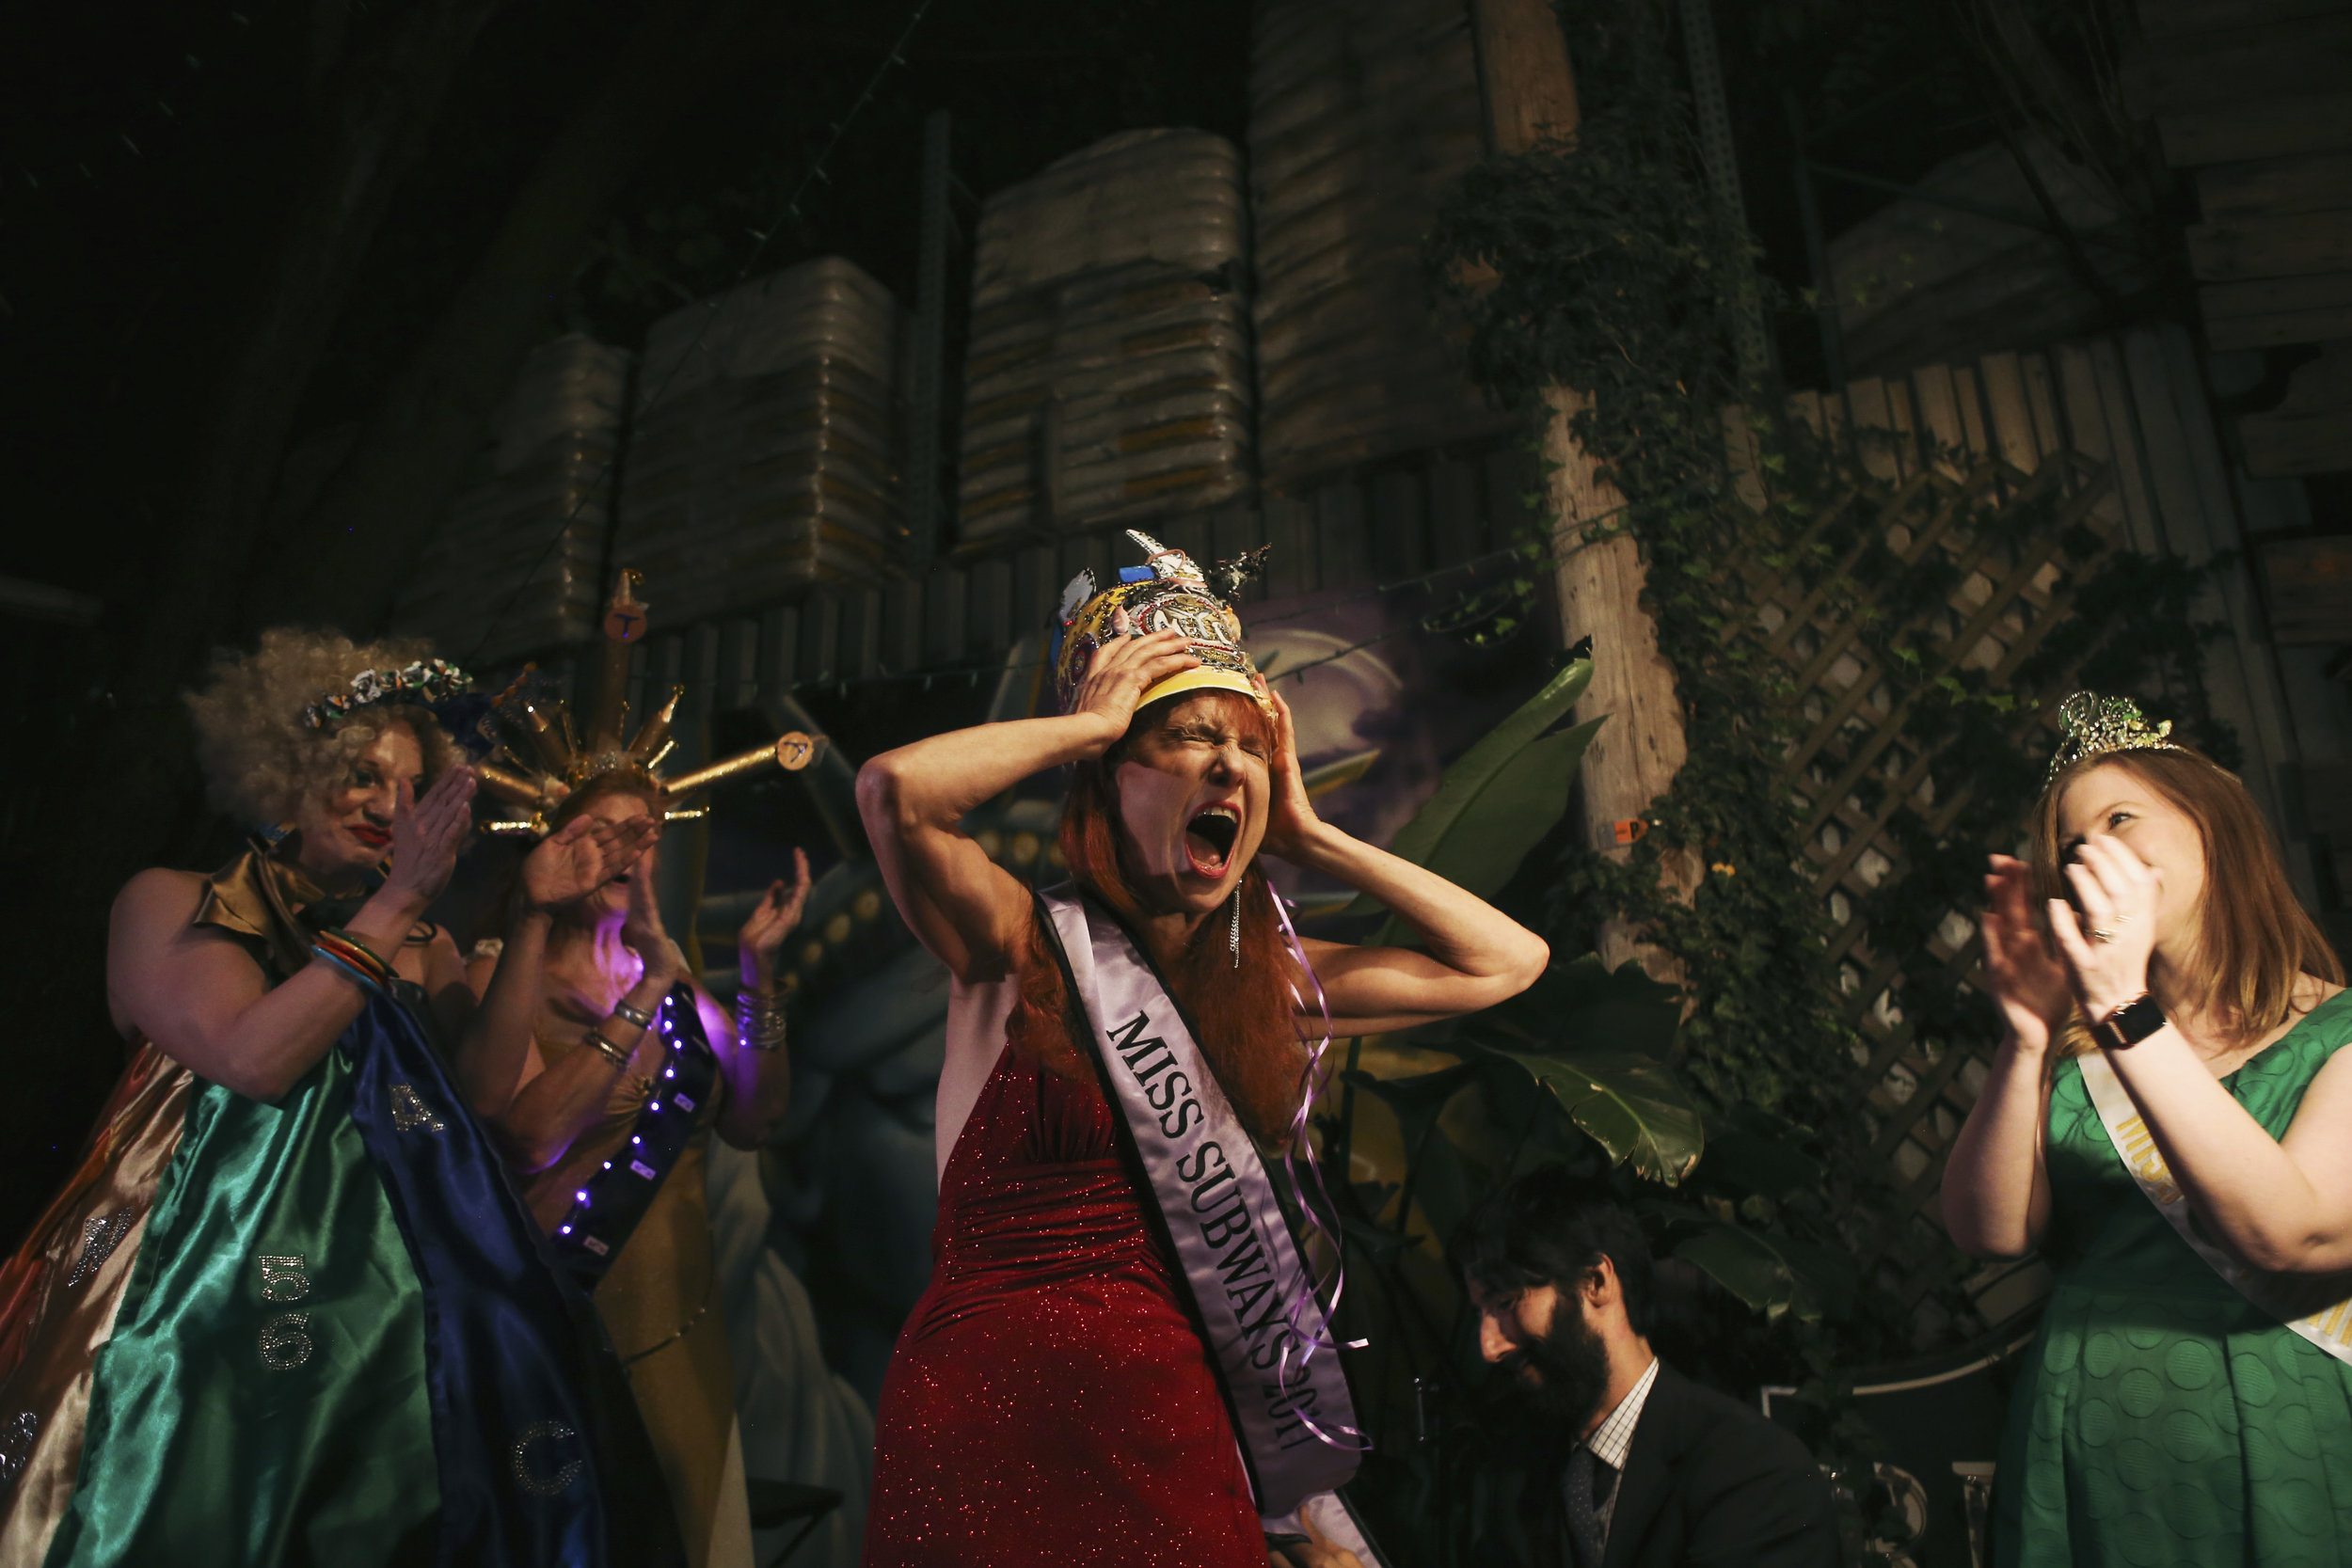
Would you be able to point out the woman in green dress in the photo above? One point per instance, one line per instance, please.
(2170, 1121)
(289, 1311)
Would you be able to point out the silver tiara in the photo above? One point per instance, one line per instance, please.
(2093, 725)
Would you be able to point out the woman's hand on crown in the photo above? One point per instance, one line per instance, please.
(1123, 669)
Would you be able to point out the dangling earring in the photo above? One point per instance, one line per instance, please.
(1235, 943)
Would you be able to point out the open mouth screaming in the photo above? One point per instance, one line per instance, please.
(1210, 837)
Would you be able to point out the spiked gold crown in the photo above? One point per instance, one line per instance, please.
(2092, 725)
(540, 761)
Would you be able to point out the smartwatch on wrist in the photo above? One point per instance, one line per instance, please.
(2130, 1024)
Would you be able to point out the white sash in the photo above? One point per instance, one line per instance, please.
(2317, 1306)
(1247, 1284)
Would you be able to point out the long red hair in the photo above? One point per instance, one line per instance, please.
(1245, 1018)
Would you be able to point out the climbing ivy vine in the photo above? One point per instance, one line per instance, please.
(1604, 266)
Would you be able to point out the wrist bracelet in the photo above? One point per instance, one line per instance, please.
(758, 1022)
(358, 976)
(356, 952)
(356, 959)
(342, 935)
(628, 1014)
(606, 1049)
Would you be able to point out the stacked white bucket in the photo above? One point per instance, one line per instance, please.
(1364, 114)
(512, 567)
(1108, 374)
(764, 457)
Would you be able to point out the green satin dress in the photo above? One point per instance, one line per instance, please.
(2163, 1418)
(315, 1333)
(212, 1346)
(330, 1444)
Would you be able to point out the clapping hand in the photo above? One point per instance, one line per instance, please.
(642, 932)
(2029, 983)
(426, 834)
(771, 921)
(588, 852)
(2107, 948)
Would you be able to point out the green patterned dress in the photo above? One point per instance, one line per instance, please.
(2162, 1419)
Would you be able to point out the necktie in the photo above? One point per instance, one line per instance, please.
(1590, 1483)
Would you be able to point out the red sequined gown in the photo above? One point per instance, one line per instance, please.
(1048, 1403)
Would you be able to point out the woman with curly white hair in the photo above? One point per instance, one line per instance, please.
(288, 1309)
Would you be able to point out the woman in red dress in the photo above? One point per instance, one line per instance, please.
(1049, 1401)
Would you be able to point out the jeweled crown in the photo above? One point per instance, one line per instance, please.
(423, 684)
(1168, 593)
(2092, 725)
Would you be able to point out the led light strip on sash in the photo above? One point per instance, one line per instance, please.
(606, 1207)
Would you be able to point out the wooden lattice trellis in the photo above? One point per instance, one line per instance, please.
(1951, 450)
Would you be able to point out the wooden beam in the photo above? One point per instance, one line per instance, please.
(2328, 800)
(40, 601)
(2267, 312)
(2172, 18)
(2278, 128)
(2311, 55)
(1634, 757)
(1530, 94)
(2310, 430)
(2314, 182)
(2295, 244)
(2311, 600)
(1523, 67)
(2280, 331)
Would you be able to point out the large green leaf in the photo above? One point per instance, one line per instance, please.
(1741, 1262)
(1749, 1149)
(1418, 1101)
(1774, 1274)
(1584, 1004)
(1627, 1103)
(1438, 1180)
(1500, 795)
(1751, 1161)
(1442, 1186)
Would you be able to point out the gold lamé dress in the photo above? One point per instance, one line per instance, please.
(660, 1302)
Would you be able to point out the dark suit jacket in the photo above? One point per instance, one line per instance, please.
(1708, 1484)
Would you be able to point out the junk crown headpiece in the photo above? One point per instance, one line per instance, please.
(1167, 592)
(2094, 725)
(540, 762)
(425, 684)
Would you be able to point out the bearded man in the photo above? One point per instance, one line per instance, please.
(1645, 1468)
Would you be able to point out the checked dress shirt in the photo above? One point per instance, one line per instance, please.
(1593, 1470)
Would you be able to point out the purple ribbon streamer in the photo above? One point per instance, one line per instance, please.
(1312, 1079)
